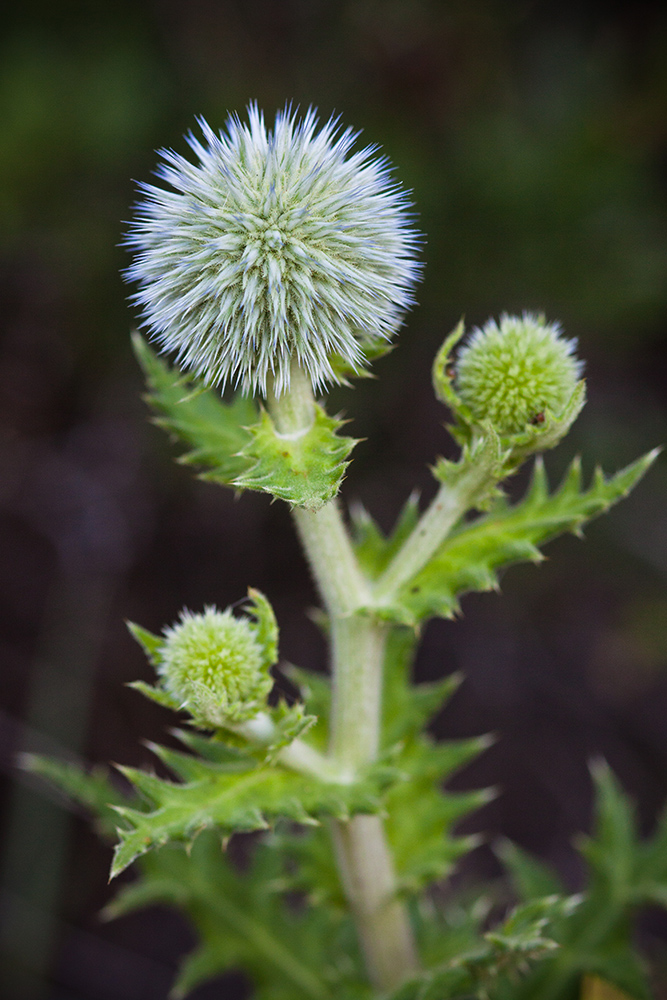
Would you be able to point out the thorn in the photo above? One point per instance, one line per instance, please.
(487, 740)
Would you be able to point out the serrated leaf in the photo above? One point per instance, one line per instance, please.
(242, 922)
(420, 813)
(145, 892)
(506, 951)
(610, 850)
(373, 550)
(237, 445)
(213, 431)
(597, 940)
(215, 748)
(472, 555)
(304, 469)
(233, 797)
(288, 953)
(315, 690)
(408, 707)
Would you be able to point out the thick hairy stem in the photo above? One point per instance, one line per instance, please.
(449, 505)
(366, 869)
(357, 654)
(432, 529)
(358, 643)
(363, 855)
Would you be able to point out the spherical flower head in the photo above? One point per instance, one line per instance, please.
(215, 666)
(276, 246)
(514, 373)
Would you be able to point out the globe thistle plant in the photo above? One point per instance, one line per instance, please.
(512, 373)
(277, 246)
(279, 262)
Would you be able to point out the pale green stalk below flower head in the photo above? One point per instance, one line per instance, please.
(215, 666)
(514, 373)
(276, 246)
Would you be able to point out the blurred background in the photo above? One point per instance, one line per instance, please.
(534, 138)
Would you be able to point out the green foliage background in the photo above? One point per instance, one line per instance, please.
(534, 137)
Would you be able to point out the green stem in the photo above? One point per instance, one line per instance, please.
(343, 587)
(427, 536)
(367, 873)
(452, 501)
(297, 755)
(357, 658)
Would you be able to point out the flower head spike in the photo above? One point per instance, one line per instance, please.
(515, 373)
(276, 246)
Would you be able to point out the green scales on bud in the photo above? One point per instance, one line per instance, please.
(520, 378)
(213, 665)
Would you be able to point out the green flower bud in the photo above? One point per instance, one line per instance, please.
(216, 666)
(515, 374)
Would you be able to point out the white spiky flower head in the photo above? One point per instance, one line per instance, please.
(277, 245)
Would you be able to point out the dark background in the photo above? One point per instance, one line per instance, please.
(534, 138)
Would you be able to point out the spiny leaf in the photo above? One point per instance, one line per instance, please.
(242, 922)
(506, 951)
(156, 694)
(237, 445)
(420, 813)
(373, 550)
(304, 469)
(149, 642)
(610, 851)
(290, 953)
(315, 690)
(214, 748)
(214, 431)
(651, 866)
(470, 558)
(407, 708)
(233, 797)
(597, 940)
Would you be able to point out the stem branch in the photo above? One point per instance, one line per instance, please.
(475, 478)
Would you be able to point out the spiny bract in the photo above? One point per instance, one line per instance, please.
(512, 373)
(276, 246)
(215, 665)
